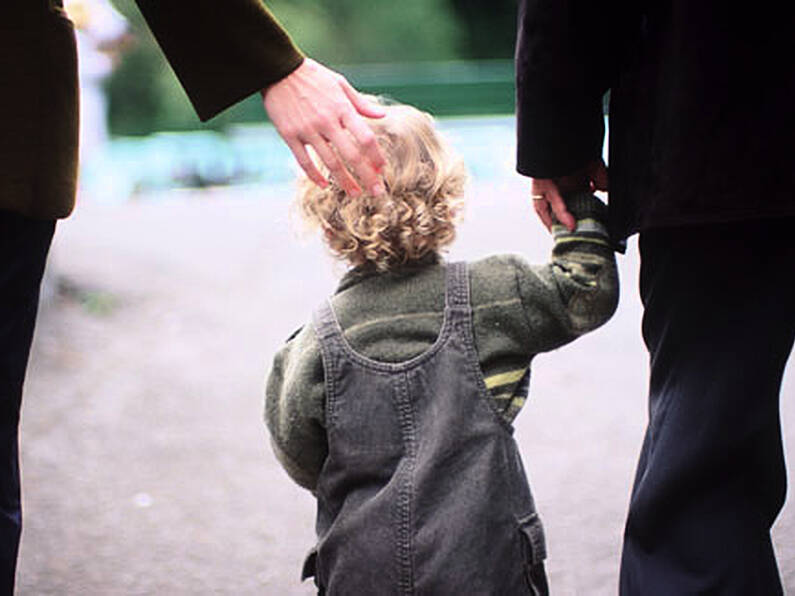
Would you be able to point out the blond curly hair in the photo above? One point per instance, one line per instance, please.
(418, 213)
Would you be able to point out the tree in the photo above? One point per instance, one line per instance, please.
(489, 27)
(352, 31)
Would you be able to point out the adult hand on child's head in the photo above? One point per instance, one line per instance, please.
(547, 192)
(318, 107)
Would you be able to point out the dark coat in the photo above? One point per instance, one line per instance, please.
(221, 51)
(701, 107)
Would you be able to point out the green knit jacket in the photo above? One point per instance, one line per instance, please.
(518, 310)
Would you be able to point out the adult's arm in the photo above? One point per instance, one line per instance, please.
(564, 62)
(222, 51)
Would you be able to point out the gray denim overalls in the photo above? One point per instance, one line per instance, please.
(423, 491)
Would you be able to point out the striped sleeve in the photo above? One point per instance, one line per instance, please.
(584, 264)
(509, 390)
(577, 290)
(590, 235)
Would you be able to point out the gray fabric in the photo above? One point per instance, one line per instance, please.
(423, 490)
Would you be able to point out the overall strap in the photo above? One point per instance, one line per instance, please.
(325, 322)
(457, 286)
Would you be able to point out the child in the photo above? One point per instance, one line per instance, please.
(394, 406)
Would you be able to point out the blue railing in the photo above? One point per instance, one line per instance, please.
(254, 154)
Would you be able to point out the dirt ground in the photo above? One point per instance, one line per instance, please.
(146, 466)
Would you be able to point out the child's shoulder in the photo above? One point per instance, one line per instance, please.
(495, 277)
(301, 344)
(496, 267)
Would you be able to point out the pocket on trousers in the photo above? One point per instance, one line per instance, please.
(534, 552)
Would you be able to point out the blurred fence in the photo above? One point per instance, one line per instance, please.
(246, 151)
(255, 154)
(443, 88)
(450, 88)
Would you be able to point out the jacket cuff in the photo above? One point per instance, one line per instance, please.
(591, 234)
(221, 52)
(584, 205)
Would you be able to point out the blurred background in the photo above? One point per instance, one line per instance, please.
(146, 465)
(452, 57)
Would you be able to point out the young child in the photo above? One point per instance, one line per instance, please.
(394, 406)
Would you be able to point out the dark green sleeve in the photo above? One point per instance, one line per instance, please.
(295, 408)
(222, 51)
(577, 291)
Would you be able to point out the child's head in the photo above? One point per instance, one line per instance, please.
(417, 214)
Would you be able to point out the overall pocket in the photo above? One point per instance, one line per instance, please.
(534, 551)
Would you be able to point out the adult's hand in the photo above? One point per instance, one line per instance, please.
(318, 107)
(546, 192)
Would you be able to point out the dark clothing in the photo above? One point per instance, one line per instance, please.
(719, 324)
(423, 490)
(701, 121)
(701, 137)
(220, 51)
(24, 244)
(39, 106)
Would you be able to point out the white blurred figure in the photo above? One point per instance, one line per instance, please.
(101, 31)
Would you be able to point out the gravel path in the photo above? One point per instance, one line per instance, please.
(146, 465)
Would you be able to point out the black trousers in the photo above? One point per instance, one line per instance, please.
(719, 323)
(24, 244)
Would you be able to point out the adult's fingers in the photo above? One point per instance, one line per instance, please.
(305, 161)
(345, 147)
(368, 165)
(365, 138)
(365, 157)
(335, 165)
(541, 207)
(558, 206)
(364, 106)
(538, 191)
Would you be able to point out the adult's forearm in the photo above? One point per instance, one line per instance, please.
(564, 58)
(221, 51)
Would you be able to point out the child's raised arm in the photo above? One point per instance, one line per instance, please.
(575, 292)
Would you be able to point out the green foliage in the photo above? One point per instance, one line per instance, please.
(144, 96)
(137, 92)
(352, 31)
(489, 28)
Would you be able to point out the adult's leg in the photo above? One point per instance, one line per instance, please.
(719, 325)
(24, 244)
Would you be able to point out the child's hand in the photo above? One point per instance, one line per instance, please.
(546, 192)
